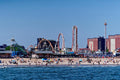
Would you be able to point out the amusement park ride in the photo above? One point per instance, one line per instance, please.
(17, 49)
(59, 50)
(74, 39)
(63, 43)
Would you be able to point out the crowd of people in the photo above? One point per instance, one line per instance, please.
(59, 61)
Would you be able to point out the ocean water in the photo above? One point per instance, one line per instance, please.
(61, 73)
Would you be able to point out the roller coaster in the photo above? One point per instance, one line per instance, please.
(63, 43)
(74, 42)
(39, 44)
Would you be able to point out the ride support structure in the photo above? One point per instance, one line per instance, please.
(63, 42)
(31, 46)
(38, 46)
(74, 39)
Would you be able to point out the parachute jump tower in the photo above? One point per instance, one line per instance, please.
(74, 39)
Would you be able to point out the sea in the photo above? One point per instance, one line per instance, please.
(84, 72)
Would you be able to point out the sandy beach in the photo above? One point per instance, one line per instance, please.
(59, 61)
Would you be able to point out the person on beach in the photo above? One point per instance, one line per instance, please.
(16, 63)
(39, 62)
(57, 62)
(3, 64)
(99, 62)
(72, 62)
(117, 62)
(69, 61)
(46, 64)
(29, 63)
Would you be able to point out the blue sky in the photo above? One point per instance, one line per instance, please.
(26, 20)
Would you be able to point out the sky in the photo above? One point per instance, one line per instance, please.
(27, 20)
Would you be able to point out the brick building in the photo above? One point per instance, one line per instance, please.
(93, 44)
(112, 43)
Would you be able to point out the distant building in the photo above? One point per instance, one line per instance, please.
(101, 43)
(112, 43)
(3, 52)
(2, 47)
(95, 44)
(92, 44)
(45, 44)
(84, 50)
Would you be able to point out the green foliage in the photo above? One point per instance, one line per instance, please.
(7, 48)
(107, 50)
(93, 51)
(14, 47)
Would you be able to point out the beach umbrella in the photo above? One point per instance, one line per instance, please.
(80, 60)
(44, 59)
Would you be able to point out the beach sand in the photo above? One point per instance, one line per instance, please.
(59, 61)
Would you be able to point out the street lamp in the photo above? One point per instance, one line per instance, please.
(105, 35)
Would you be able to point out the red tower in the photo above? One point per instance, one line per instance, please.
(74, 39)
(105, 35)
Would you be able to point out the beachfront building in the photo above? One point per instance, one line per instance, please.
(95, 44)
(112, 43)
(3, 52)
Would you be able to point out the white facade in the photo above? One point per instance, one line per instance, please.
(112, 44)
(91, 45)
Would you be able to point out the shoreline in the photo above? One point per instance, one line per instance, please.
(27, 66)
